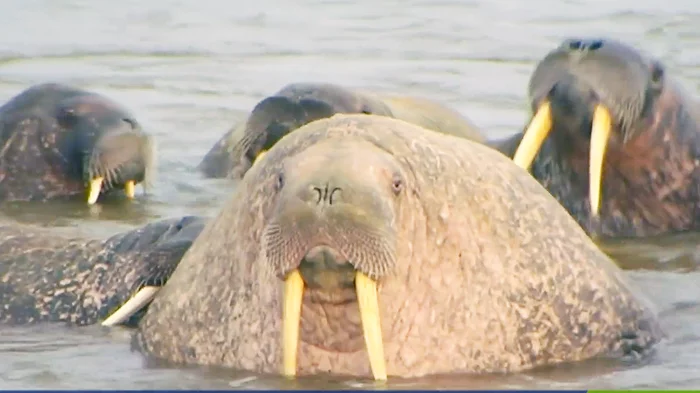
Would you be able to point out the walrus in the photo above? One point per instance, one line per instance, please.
(613, 138)
(363, 237)
(297, 104)
(60, 141)
(50, 277)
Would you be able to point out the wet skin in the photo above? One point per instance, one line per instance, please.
(298, 104)
(613, 138)
(59, 141)
(46, 277)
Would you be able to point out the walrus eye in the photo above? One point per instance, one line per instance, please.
(280, 181)
(68, 116)
(657, 74)
(366, 111)
(130, 122)
(397, 184)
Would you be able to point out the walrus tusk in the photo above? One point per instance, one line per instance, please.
(259, 156)
(371, 327)
(142, 297)
(369, 313)
(293, 294)
(94, 190)
(129, 189)
(600, 133)
(534, 136)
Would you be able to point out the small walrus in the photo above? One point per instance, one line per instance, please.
(57, 141)
(362, 236)
(614, 139)
(47, 277)
(300, 103)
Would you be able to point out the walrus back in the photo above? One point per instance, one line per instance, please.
(47, 276)
(432, 116)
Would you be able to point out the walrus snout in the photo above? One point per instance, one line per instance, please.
(333, 228)
(120, 159)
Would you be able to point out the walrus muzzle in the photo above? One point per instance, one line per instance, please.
(366, 289)
(368, 255)
(540, 127)
(119, 158)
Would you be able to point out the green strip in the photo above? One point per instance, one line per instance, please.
(646, 391)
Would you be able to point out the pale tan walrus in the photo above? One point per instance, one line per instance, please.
(458, 262)
(297, 104)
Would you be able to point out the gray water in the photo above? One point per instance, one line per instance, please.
(190, 69)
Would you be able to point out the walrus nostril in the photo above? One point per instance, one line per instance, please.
(575, 45)
(320, 195)
(585, 45)
(327, 194)
(332, 194)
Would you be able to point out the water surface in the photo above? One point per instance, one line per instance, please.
(190, 69)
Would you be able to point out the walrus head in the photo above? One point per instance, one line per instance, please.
(290, 108)
(592, 92)
(114, 151)
(332, 233)
(144, 259)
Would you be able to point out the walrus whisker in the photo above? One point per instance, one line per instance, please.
(132, 306)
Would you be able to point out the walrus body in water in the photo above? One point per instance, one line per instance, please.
(614, 139)
(59, 141)
(47, 277)
(300, 103)
(365, 237)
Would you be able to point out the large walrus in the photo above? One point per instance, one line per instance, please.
(363, 236)
(60, 141)
(614, 139)
(50, 277)
(300, 103)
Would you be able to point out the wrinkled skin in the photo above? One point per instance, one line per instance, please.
(45, 277)
(300, 103)
(651, 175)
(479, 269)
(56, 138)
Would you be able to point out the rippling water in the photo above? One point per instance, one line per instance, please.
(190, 69)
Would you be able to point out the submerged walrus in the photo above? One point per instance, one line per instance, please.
(300, 103)
(47, 277)
(614, 139)
(364, 236)
(59, 141)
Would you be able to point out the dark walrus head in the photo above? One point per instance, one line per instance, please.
(143, 260)
(93, 140)
(274, 117)
(596, 101)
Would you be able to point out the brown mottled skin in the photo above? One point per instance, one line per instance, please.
(651, 173)
(473, 277)
(46, 277)
(48, 134)
(300, 103)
